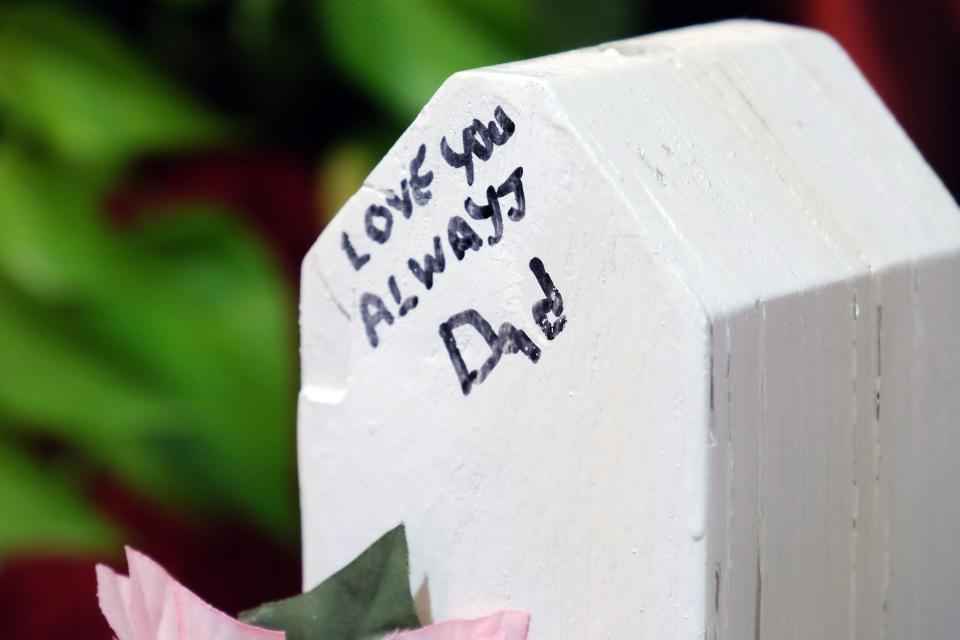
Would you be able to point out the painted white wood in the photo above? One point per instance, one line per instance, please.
(746, 427)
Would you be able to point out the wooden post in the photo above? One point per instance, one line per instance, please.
(656, 339)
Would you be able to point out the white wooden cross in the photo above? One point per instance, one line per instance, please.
(656, 339)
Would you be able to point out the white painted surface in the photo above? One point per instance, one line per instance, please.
(755, 390)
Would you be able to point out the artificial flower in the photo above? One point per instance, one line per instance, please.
(151, 605)
(503, 625)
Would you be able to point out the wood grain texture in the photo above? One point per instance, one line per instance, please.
(746, 427)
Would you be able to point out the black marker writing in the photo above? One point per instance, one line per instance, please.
(553, 303)
(514, 185)
(372, 318)
(407, 304)
(419, 183)
(402, 202)
(378, 234)
(431, 264)
(378, 221)
(490, 136)
(416, 187)
(479, 141)
(355, 260)
(508, 339)
(462, 237)
(491, 210)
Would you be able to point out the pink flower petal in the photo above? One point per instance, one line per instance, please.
(199, 621)
(113, 593)
(504, 625)
(151, 605)
(151, 597)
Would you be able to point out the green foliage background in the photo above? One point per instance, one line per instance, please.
(162, 353)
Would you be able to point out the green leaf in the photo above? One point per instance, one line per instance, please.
(55, 257)
(207, 313)
(53, 244)
(253, 23)
(59, 387)
(401, 51)
(41, 510)
(72, 87)
(365, 600)
(164, 353)
(567, 24)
